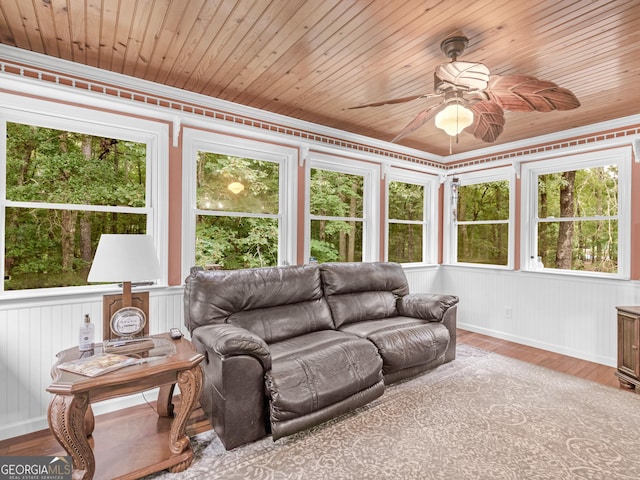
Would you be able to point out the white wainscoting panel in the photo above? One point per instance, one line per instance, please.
(31, 333)
(567, 314)
(422, 279)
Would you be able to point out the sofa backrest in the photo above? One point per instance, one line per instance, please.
(362, 291)
(275, 303)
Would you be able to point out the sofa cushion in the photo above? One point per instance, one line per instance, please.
(356, 307)
(277, 323)
(403, 342)
(340, 278)
(261, 300)
(314, 371)
(362, 291)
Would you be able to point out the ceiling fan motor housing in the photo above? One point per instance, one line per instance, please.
(453, 47)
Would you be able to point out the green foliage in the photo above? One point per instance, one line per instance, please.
(260, 179)
(484, 201)
(485, 243)
(335, 194)
(405, 243)
(236, 242)
(53, 246)
(590, 245)
(406, 202)
(233, 242)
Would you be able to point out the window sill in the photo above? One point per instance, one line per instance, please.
(12, 299)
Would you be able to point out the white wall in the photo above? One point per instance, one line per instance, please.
(572, 315)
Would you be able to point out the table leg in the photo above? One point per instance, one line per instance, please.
(165, 400)
(66, 418)
(89, 422)
(190, 382)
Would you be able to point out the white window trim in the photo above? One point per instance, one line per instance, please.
(622, 157)
(371, 195)
(429, 221)
(194, 141)
(43, 113)
(450, 233)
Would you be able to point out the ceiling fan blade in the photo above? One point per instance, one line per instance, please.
(488, 121)
(396, 100)
(522, 93)
(420, 120)
(462, 75)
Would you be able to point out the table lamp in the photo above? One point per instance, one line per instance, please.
(126, 259)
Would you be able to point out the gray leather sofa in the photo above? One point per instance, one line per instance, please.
(287, 348)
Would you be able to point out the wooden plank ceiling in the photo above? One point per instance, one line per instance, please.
(314, 59)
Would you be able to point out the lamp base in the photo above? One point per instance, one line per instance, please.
(112, 303)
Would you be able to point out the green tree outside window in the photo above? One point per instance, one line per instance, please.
(482, 226)
(577, 225)
(61, 190)
(237, 201)
(406, 222)
(336, 207)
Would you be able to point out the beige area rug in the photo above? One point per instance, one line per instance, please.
(483, 416)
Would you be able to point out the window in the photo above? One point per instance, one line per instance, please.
(578, 214)
(239, 196)
(410, 238)
(340, 196)
(481, 209)
(65, 183)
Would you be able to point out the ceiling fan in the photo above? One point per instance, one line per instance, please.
(474, 101)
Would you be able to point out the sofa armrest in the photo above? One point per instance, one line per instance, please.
(426, 306)
(228, 340)
(233, 395)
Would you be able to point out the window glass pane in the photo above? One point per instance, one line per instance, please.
(336, 194)
(405, 243)
(55, 166)
(54, 248)
(579, 193)
(236, 242)
(580, 245)
(336, 241)
(483, 243)
(235, 184)
(484, 201)
(406, 201)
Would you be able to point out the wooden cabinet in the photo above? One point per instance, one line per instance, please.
(629, 346)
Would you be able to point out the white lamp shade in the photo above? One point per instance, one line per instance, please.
(124, 258)
(454, 118)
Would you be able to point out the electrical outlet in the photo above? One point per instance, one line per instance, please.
(508, 312)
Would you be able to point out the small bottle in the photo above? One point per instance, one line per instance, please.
(87, 334)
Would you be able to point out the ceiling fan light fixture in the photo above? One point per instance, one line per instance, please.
(235, 187)
(454, 118)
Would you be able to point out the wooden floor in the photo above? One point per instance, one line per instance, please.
(42, 443)
(555, 361)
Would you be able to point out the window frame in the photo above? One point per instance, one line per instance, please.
(620, 156)
(46, 114)
(451, 233)
(194, 141)
(371, 195)
(429, 221)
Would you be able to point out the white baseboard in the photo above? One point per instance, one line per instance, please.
(610, 362)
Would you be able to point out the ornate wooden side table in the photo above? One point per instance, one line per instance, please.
(71, 418)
